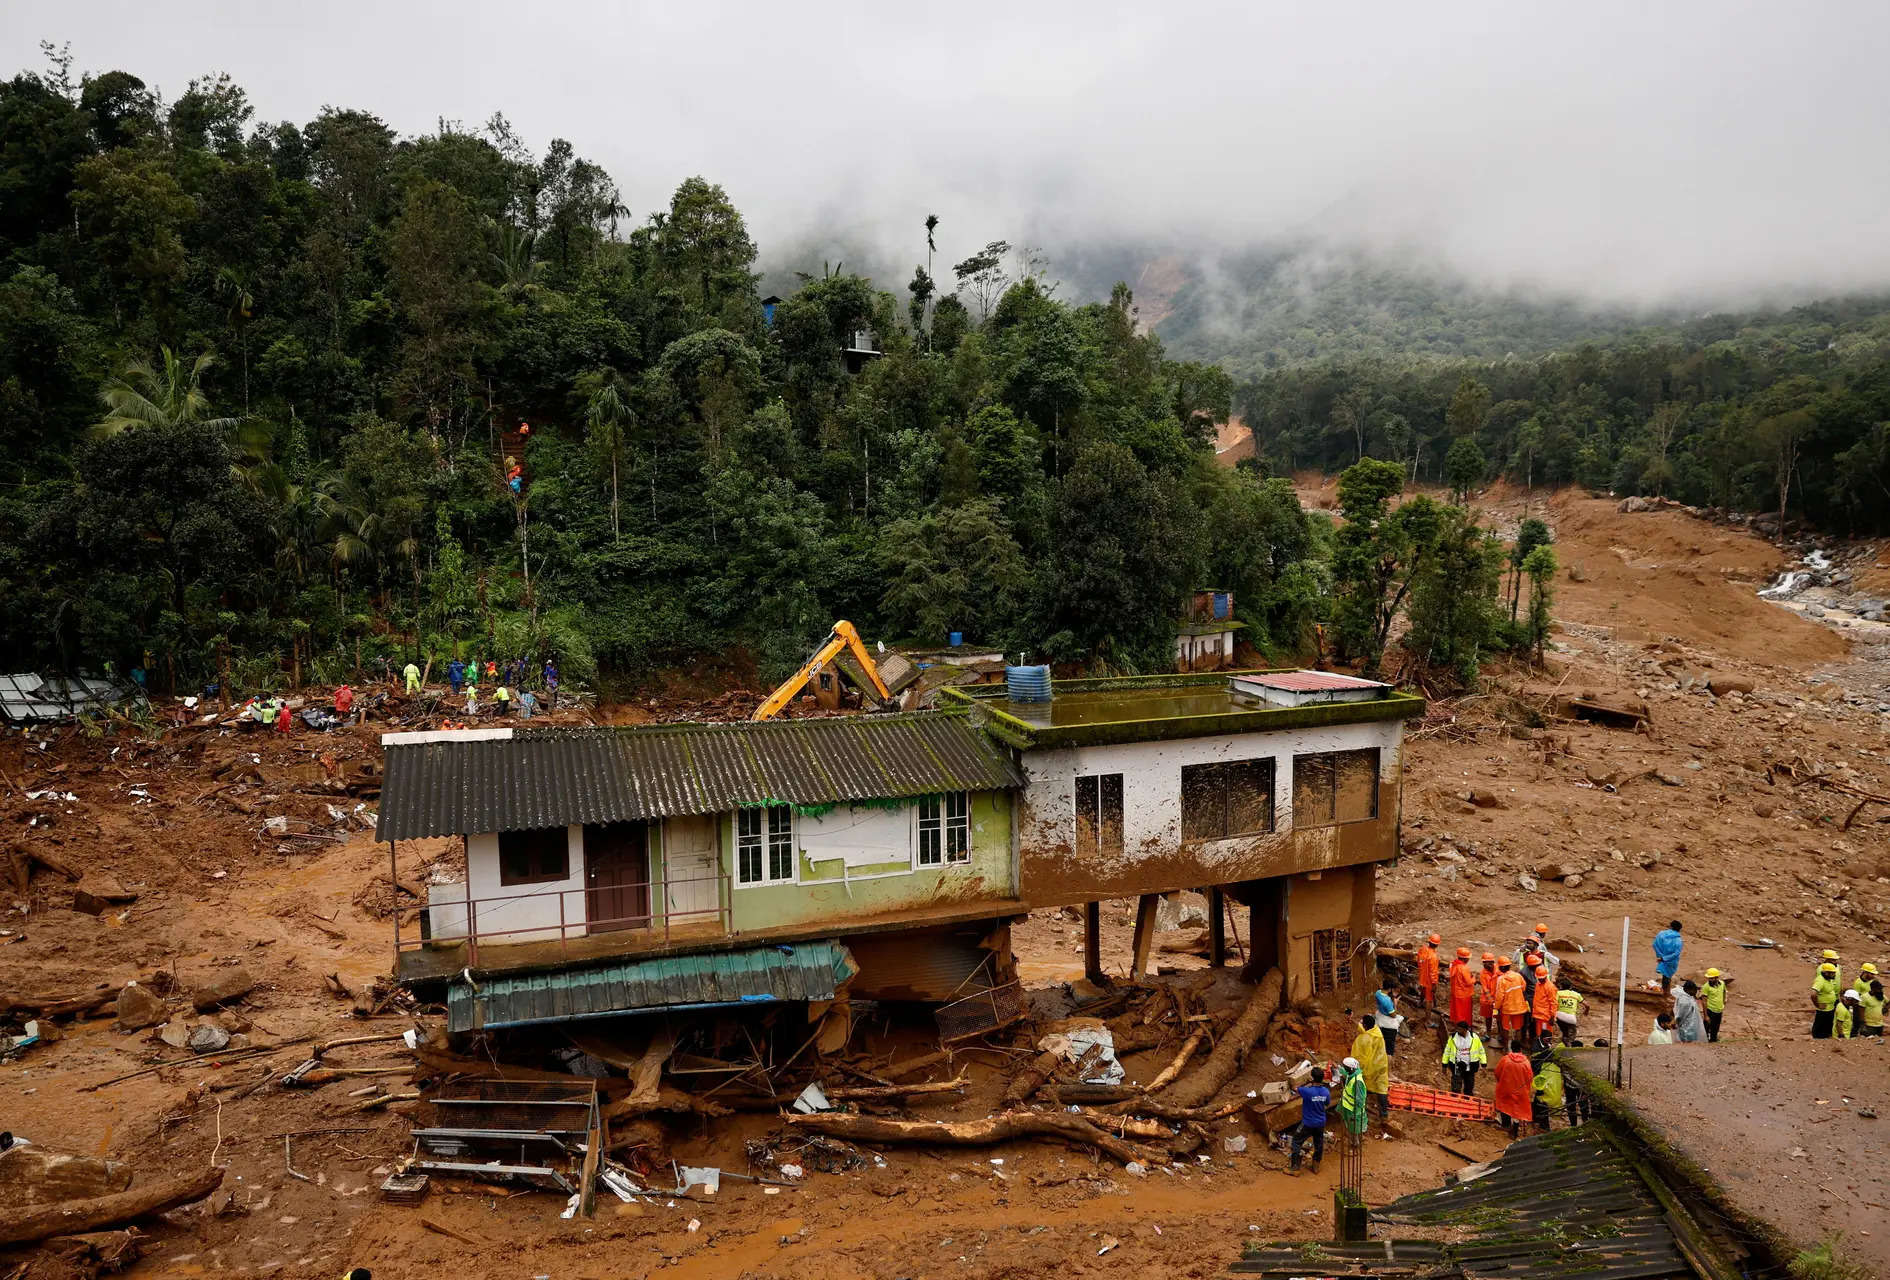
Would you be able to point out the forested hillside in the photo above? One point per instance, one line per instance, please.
(1750, 412)
(267, 388)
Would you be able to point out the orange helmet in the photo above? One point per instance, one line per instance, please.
(1489, 957)
(1543, 929)
(1503, 963)
(1534, 960)
(1435, 939)
(1463, 953)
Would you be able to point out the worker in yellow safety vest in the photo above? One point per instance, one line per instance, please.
(1869, 1004)
(1713, 1003)
(1824, 1000)
(1830, 957)
(1568, 1011)
(1844, 1017)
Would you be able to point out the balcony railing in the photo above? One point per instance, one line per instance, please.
(563, 916)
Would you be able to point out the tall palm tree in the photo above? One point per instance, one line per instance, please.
(606, 419)
(242, 304)
(167, 394)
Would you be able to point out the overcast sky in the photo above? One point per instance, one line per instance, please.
(1632, 152)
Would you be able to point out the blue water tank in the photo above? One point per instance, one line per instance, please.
(1027, 684)
(955, 638)
(1223, 605)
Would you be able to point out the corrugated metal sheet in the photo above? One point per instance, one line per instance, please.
(558, 777)
(807, 971)
(28, 698)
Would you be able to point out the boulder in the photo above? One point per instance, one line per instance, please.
(208, 1038)
(1183, 910)
(1527, 882)
(1631, 505)
(138, 1009)
(230, 985)
(96, 894)
(175, 1033)
(1720, 686)
(1573, 880)
(1483, 799)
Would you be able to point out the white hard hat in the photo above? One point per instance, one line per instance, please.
(1351, 1064)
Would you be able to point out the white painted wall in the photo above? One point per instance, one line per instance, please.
(1151, 781)
(533, 918)
(1190, 648)
(859, 837)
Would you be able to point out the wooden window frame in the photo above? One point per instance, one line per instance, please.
(536, 853)
(1099, 790)
(1331, 951)
(1329, 764)
(771, 841)
(944, 838)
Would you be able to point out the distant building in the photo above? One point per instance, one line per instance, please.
(861, 350)
(768, 304)
(1204, 639)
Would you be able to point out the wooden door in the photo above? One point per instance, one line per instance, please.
(616, 876)
(691, 866)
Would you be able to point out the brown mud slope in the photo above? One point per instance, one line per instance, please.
(1801, 1159)
(1658, 575)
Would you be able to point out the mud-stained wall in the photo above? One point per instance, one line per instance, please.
(509, 913)
(1343, 898)
(863, 861)
(1154, 858)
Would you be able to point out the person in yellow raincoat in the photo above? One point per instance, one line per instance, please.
(1375, 1065)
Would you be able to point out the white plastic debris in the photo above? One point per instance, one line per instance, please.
(813, 1098)
(709, 1179)
(570, 1207)
(1071, 1045)
(1137, 1168)
(792, 1171)
(695, 1224)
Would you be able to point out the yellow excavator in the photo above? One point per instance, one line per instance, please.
(843, 636)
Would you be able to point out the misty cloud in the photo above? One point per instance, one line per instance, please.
(1625, 153)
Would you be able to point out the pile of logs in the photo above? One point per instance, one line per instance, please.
(76, 1204)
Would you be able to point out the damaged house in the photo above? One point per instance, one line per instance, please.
(617, 871)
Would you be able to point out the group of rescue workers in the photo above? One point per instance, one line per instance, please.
(1841, 1012)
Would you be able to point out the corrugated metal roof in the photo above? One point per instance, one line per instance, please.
(1562, 1204)
(558, 777)
(807, 971)
(26, 698)
(1312, 681)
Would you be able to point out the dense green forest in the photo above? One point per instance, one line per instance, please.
(1767, 412)
(265, 386)
(286, 400)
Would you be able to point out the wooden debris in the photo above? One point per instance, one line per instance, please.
(75, 1217)
(1224, 1063)
(912, 1065)
(1007, 1126)
(441, 1228)
(97, 1252)
(1031, 1078)
(874, 1093)
(1173, 1069)
(32, 1175)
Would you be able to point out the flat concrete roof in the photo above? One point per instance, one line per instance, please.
(1152, 708)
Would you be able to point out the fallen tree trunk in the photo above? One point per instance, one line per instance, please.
(1224, 1062)
(35, 1175)
(1007, 1126)
(1062, 1093)
(1173, 1069)
(1168, 1111)
(911, 1065)
(77, 1217)
(1126, 1126)
(874, 1092)
(1031, 1078)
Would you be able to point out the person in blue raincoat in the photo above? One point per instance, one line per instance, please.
(1668, 944)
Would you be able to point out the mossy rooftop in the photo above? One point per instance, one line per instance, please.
(1151, 708)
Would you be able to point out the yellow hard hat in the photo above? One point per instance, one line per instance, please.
(1869, 967)
(1712, 973)
(1830, 954)
(1827, 967)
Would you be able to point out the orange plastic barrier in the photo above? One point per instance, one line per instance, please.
(1425, 1100)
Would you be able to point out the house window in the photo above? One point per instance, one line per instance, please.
(944, 829)
(764, 845)
(534, 857)
(1331, 960)
(1334, 787)
(1099, 815)
(1234, 798)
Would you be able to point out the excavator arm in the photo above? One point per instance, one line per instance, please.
(843, 636)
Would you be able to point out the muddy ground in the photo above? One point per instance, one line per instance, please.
(1697, 818)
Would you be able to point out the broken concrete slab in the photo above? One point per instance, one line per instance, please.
(138, 1008)
(231, 984)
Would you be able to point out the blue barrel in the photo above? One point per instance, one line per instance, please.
(1028, 684)
(956, 638)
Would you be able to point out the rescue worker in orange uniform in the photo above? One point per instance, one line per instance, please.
(1515, 1087)
(1511, 1006)
(1427, 970)
(1463, 988)
(1486, 978)
(1544, 1006)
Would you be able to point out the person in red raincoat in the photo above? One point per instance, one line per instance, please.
(1463, 988)
(1515, 1083)
(283, 718)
